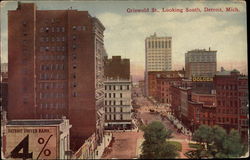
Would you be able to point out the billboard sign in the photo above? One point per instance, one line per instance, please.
(31, 142)
(202, 79)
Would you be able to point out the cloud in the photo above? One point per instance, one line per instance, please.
(126, 34)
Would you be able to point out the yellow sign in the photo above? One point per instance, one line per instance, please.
(31, 142)
(202, 79)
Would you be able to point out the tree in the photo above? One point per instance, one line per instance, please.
(155, 144)
(216, 143)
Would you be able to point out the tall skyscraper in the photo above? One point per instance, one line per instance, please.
(158, 54)
(200, 62)
(55, 67)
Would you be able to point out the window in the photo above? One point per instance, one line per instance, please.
(47, 29)
(57, 29)
(74, 27)
(74, 57)
(121, 109)
(120, 95)
(127, 87)
(74, 94)
(121, 117)
(74, 46)
(114, 95)
(121, 87)
(74, 66)
(121, 103)
(41, 29)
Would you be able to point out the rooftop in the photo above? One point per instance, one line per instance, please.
(36, 122)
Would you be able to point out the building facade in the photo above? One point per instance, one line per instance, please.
(163, 88)
(200, 62)
(116, 67)
(118, 91)
(118, 104)
(201, 110)
(49, 78)
(154, 75)
(158, 55)
(232, 101)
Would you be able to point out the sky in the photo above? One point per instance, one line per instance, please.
(125, 32)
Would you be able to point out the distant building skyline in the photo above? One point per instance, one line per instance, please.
(125, 32)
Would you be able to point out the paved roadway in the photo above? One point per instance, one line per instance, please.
(126, 145)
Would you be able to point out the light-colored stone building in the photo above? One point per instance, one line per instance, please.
(200, 62)
(158, 55)
(117, 103)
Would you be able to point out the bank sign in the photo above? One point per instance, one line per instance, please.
(31, 142)
(202, 79)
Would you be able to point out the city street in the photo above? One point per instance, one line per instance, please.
(147, 117)
(124, 145)
(127, 144)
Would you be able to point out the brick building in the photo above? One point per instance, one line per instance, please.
(116, 67)
(152, 80)
(232, 101)
(163, 88)
(55, 67)
(201, 110)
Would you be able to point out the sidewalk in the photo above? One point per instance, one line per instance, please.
(138, 147)
(105, 142)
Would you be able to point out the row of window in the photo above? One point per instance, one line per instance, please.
(228, 111)
(52, 85)
(227, 103)
(52, 76)
(227, 119)
(113, 109)
(114, 117)
(52, 29)
(114, 95)
(115, 87)
(228, 87)
(52, 39)
(52, 105)
(48, 67)
(61, 29)
(44, 95)
(113, 102)
(52, 57)
(53, 48)
(159, 44)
